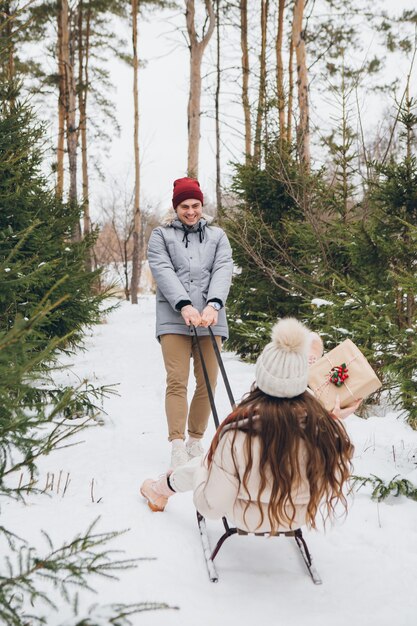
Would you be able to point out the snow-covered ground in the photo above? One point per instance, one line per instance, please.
(367, 562)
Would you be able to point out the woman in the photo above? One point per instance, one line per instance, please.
(276, 460)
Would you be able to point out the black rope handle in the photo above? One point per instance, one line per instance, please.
(222, 369)
(210, 392)
(207, 380)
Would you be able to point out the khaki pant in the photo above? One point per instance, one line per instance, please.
(177, 351)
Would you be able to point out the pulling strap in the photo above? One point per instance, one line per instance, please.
(206, 377)
(223, 371)
(228, 530)
(207, 380)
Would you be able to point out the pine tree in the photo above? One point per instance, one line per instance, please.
(42, 223)
(344, 263)
(374, 280)
(46, 300)
(255, 226)
(32, 424)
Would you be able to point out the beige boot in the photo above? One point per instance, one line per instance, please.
(156, 492)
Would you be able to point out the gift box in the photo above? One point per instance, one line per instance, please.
(343, 371)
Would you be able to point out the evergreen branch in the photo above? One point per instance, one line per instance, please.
(400, 106)
(382, 489)
(118, 614)
(10, 17)
(21, 327)
(260, 237)
(65, 567)
(23, 236)
(61, 431)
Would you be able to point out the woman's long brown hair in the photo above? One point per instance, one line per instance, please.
(281, 424)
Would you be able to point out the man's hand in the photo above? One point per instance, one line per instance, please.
(191, 315)
(342, 414)
(209, 316)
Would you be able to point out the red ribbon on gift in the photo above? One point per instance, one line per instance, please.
(325, 385)
(338, 374)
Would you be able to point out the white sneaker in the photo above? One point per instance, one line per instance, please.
(194, 448)
(179, 455)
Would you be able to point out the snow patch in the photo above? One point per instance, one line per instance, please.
(320, 302)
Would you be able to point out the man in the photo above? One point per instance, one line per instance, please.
(191, 262)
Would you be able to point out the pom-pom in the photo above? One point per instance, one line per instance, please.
(290, 335)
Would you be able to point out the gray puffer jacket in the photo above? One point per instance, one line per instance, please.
(189, 264)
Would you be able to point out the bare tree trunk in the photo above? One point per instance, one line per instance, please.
(290, 90)
(409, 136)
(410, 297)
(193, 112)
(410, 311)
(72, 129)
(245, 77)
(126, 270)
(83, 59)
(10, 66)
(217, 106)
(280, 72)
(136, 257)
(197, 48)
(68, 55)
(400, 308)
(61, 103)
(303, 131)
(7, 51)
(344, 156)
(262, 81)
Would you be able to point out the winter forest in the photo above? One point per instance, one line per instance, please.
(299, 119)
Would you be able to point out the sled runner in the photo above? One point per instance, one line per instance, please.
(210, 554)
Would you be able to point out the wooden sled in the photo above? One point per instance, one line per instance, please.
(210, 555)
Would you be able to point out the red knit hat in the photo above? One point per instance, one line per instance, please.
(186, 189)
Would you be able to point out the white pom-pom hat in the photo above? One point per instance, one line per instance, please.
(282, 368)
